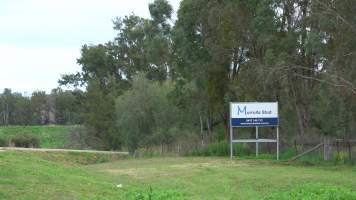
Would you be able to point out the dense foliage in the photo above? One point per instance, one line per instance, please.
(162, 81)
(151, 117)
(295, 52)
(59, 107)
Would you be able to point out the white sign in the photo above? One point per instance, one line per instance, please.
(254, 114)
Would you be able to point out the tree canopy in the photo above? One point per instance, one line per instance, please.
(162, 79)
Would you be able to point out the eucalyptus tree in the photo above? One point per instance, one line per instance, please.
(214, 42)
(140, 45)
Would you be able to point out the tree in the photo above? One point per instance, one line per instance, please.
(7, 105)
(296, 52)
(141, 45)
(39, 107)
(145, 116)
(21, 114)
(67, 107)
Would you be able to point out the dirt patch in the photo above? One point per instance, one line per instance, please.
(193, 165)
(129, 172)
(132, 172)
(140, 173)
(208, 164)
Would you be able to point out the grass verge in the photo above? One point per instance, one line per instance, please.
(41, 175)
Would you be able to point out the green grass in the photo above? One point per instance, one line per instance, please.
(50, 136)
(218, 178)
(51, 176)
(25, 175)
(314, 191)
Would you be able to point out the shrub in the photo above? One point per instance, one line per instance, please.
(3, 142)
(314, 191)
(221, 149)
(287, 153)
(25, 140)
(341, 157)
(144, 152)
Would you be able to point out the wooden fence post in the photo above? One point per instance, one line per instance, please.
(327, 149)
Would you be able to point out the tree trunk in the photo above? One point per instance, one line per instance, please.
(303, 118)
(227, 126)
(201, 130)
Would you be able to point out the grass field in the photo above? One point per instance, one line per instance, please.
(50, 136)
(25, 175)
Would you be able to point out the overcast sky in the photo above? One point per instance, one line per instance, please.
(41, 39)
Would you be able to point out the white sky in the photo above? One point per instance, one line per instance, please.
(41, 39)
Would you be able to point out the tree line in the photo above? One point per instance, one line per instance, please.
(161, 81)
(59, 107)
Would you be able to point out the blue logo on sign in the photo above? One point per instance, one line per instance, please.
(241, 110)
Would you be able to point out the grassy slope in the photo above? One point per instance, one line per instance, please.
(51, 176)
(25, 175)
(51, 136)
(217, 178)
(59, 176)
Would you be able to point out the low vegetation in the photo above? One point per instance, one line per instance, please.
(314, 191)
(25, 175)
(48, 176)
(25, 140)
(36, 136)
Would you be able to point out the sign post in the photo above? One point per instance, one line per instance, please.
(256, 141)
(253, 114)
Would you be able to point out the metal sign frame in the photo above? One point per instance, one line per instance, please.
(257, 140)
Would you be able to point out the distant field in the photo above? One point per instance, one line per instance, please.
(25, 175)
(50, 136)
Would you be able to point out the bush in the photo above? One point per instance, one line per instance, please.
(222, 149)
(25, 140)
(145, 153)
(341, 157)
(3, 142)
(314, 191)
